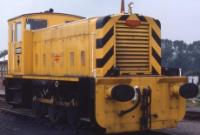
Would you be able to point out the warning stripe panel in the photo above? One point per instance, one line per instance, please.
(157, 22)
(154, 71)
(156, 65)
(102, 21)
(101, 62)
(124, 17)
(156, 37)
(109, 72)
(101, 42)
(126, 46)
(107, 67)
(102, 51)
(141, 18)
(156, 47)
(156, 56)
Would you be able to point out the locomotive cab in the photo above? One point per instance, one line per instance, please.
(20, 37)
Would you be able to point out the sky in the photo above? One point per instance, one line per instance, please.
(180, 19)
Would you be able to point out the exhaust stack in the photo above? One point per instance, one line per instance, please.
(122, 7)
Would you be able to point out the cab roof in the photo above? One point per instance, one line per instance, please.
(45, 13)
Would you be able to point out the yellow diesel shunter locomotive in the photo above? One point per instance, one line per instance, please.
(104, 70)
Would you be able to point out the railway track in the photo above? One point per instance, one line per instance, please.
(16, 112)
(8, 109)
(192, 115)
(24, 114)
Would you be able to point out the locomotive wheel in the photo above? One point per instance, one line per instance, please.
(57, 114)
(73, 118)
(53, 114)
(39, 109)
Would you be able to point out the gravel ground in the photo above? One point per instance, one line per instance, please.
(1, 84)
(12, 125)
(185, 128)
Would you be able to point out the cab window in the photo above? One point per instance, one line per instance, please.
(12, 32)
(18, 31)
(34, 24)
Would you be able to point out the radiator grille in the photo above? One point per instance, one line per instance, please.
(132, 48)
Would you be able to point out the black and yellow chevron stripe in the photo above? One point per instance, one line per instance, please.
(105, 46)
(105, 43)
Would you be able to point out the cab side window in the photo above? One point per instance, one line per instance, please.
(18, 32)
(34, 24)
(12, 32)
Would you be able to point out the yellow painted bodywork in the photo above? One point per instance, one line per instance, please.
(57, 44)
(168, 106)
(69, 51)
(47, 52)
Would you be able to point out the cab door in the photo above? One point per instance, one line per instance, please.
(16, 47)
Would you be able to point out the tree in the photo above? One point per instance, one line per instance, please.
(178, 54)
(167, 52)
(3, 53)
